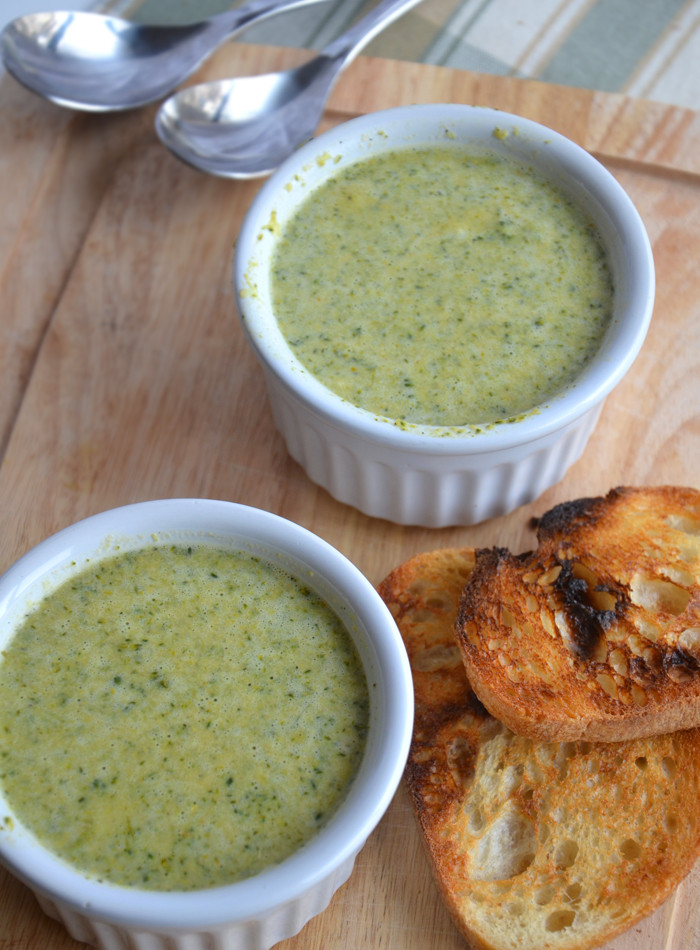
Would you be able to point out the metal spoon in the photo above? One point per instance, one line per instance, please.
(246, 127)
(102, 63)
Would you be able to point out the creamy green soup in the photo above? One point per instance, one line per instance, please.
(441, 287)
(175, 718)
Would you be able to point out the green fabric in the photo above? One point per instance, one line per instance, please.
(604, 50)
(639, 47)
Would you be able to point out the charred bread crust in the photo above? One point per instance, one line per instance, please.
(533, 845)
(595, 634)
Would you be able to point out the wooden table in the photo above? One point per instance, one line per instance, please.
(124, 376)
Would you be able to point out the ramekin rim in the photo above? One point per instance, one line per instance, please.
(345, 833)
(599, 378)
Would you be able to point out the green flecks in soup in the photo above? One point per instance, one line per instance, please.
(440, 287)
(177, 718)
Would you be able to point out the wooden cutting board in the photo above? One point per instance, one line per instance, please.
(124, 376)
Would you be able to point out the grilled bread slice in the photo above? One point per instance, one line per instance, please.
(534, 846)
(596, 634)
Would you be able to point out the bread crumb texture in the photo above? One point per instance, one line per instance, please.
(533, 844)
(595, 634)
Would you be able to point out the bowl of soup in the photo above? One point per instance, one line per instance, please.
(205, 710)
(441, 297)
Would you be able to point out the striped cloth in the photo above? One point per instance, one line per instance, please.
(645, 48)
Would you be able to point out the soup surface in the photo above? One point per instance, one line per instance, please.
(179, 717)
(441, 287)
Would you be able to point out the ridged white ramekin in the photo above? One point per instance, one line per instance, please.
(256, 913)
(419, 474)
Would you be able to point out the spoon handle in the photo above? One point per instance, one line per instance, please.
(231, 21)
(346, 47)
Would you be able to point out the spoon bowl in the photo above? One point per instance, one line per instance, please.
(246, 127)
(99, 63)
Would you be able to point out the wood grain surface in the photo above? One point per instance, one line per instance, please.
(124, 376)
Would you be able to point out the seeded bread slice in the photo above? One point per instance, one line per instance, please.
(534, 846)
(596, 634)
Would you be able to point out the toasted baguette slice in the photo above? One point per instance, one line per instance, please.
(596, 634)
(534, 846)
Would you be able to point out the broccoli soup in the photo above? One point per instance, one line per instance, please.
(441, 287)
(176, 718)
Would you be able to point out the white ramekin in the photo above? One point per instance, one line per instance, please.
(256, 913)
(440, 476)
